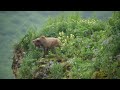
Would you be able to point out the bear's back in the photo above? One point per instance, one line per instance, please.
(52, 42)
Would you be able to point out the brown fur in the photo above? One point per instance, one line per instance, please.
(47, 43)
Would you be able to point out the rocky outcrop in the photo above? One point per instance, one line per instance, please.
(43, 64)
(17, 60)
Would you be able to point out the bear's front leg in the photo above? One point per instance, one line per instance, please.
(45, 52)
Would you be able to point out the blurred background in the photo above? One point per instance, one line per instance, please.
(14, 25)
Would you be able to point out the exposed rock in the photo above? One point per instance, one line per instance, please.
(17, 60)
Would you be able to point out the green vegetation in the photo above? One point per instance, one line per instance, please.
(81, 37)
(89, 49)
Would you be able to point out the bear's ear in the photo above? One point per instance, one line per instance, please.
(43, 37)
(33, 41)
(36, 40)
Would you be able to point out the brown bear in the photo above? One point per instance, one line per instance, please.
(47, 43)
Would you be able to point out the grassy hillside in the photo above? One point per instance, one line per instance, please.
(90, 49)
(15, 24)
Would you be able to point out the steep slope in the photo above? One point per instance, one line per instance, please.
(15, 24)
(90, 49)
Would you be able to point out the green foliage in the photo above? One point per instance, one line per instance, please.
(105, 60)
(14, 26)
(27, 68)
(91, 44)
(56, 71)
(82, 69)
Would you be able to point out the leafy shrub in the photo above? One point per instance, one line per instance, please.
(82, 69)
(56, 71)
(91, 44)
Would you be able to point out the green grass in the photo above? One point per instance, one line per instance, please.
(15, 25)
(88, 48)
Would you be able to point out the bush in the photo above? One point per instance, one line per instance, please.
(91, 44)
(56, 71)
